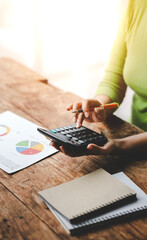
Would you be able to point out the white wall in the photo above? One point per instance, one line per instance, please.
(67, 41)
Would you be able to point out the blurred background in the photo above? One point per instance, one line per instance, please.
(66, 41)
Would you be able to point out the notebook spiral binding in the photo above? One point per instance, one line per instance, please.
(112, 217)
(77, 217)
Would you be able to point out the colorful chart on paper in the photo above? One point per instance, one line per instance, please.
(27, 147)
(4, 130)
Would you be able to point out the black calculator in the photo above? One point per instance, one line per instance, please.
(74, 138)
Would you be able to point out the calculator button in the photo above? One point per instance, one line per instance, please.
(66, 131)
(53, 131)
(65, 128)
(76, 130)
(79, 137)
(73, 134)
(74, 139)
(70, 130)
(84, 136)
(69, 136)
(91, 140)
(80, 141)
(63, 132)
(78, 133)
(89, 135)
(95, 139)
(70, 127)
(61, 128)
(57, 130)
(82, 128)
(83, 132)
(95, 134)
(100, 137)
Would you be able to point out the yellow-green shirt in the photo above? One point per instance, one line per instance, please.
(128, 62)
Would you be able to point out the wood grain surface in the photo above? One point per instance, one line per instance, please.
(23, 215)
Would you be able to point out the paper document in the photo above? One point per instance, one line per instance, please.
(21, 145)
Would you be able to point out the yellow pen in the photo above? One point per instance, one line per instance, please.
(104, 106)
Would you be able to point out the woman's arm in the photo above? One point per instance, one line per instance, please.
(132, 145)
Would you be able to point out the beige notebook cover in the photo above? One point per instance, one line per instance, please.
(86, 194)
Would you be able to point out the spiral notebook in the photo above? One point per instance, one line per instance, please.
(129, 210)
(93, 193)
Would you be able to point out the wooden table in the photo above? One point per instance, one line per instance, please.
(23, 215)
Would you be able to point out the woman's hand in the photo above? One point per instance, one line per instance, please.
(132, 145)
(111, 147)
(95, 115)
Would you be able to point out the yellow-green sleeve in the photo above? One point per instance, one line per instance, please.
(113, 84)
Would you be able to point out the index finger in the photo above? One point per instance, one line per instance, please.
(90, 103)
(69, 107)
(74, 106)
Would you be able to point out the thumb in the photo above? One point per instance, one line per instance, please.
(100, 113)
(96, 150)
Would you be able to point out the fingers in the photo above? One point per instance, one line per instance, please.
(55, 145)
(62, 149)
(77, 117)
(80, 119)
(76, 106)
(92, 149)
(67, 152)
(92, 112)
(69, 107)
(97, 150)
(88, 104)
(100, 114)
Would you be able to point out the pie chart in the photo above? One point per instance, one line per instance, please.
(27, 147)
(4, 130)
